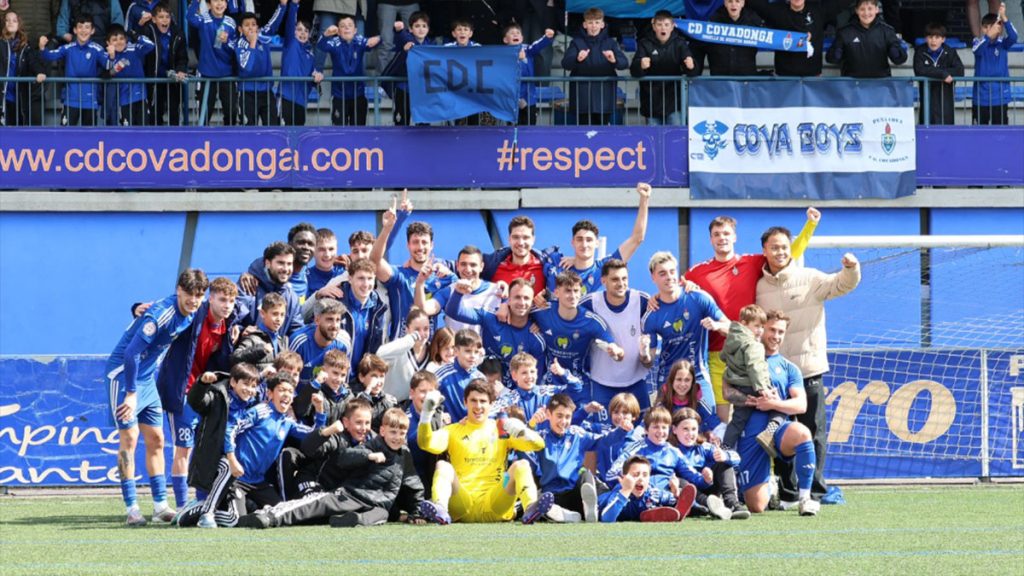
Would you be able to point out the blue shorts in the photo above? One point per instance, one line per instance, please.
(148, 409)
(755, 466)
(603, 394)
(183, 426)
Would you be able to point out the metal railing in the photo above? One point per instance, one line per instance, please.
(383, 101)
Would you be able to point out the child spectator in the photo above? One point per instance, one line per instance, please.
(331, 383)
(462, 37)
(936, 60)
(513, 36)
(624, 409)
(261, 344)
(863, 48)
(679, 391)
(325, 258)
(991, 99)
(217, 403)
(415, 35)
(20, 103)
(407, 355)
(169, 59)
(371, 374)
(375, 475)
(128, 60)
(253, 52)
(663, 52)
(139, 14)
(217, 34)
(747, 371)
(667, 463)
(527, 395)
(637, 500)
(718, 497)
(298, 61)
(456, 375)
(420, 384)
(594, 54)
(82, 59)
(346, 48)
(442, 349)
(561, 464)
(729, 59)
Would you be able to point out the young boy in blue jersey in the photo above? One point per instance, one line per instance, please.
(992, 98)
(375, 476)
(259, 345)
(502, 340)
(371, 373)
(716, 466)
(569, 332)
(312, 342)
(365, 317)
(624, 409)
(252, 49)
(682, 321)
(585, 236)
(134, 401)
(82, 59)
(331, 383)
(298, 61)
(217, 33)
(128, 60)
(347, 49)
(561, 464)
(636, 500)
(217, 402)
(453, 377)
(513, 36)
(476, 292)
(422, 383)
(139, 13)
(325, 257)
(169, 59)
(405, 39)
(530, 397)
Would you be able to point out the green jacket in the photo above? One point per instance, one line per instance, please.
(745, 365)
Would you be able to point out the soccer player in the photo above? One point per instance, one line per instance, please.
(474, 484)
(622, 310)
(302, 240)
(731, 280)
(454, 377)
(366, 314)
(476, 293)
(682, 320)
(519, 259)
(502, 340)
(272, 276)
(134, 400)
(792, 439)
(401, 280)
(584, 243)
(312, 342)
(569, 332)
(325, 261)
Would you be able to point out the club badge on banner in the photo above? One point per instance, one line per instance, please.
(802, 139)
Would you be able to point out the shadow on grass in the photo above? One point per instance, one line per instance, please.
(73, 522)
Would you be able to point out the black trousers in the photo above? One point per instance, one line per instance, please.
(724, 485)
(210, 93)
(400, 115)
(165, 99)
(292, 114)
(133, 114)
(80, 116)
(572, 499)
(814, 420)
(318, 507)
(259, 104)
(992, 115)
(348, 111)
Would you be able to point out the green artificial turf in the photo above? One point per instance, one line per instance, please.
(905, 531)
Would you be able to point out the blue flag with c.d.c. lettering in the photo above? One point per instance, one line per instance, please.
(447, 82)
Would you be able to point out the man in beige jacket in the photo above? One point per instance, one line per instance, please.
(801, 293)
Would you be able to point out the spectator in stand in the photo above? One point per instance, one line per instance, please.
(253, 51)
(936, 60)
(390, 13)
(168, 60)
(513, 36)
(415, 35)
(728, 59)
(699, 10)
(140, 13)
(100, 13)
(864, 48)
(534, 18)
(216, 31)
(991, 99)
(593, 54)
(663, 52)
(806, 16)
(127, 60)
(298, 61)
(20, 103)
(346, 48)
(83, 58)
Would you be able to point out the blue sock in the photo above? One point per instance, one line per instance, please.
(158, 485)
(804, 462)
(201, 494)
(128, 492)
(180, 486)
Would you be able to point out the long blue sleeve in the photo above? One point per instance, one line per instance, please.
(270, 28)
(402, 216)
(612, 508)
(459, 312)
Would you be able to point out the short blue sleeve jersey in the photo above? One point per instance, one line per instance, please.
(304, 343)
(562, 457)
(146, 341)
(317, 278)
(785, 376)
(591, 276)
(401, 290)
(682, 336)
(569, 340)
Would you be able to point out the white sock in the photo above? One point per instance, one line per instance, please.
(805, 493)
(132, 507)
(159, 506)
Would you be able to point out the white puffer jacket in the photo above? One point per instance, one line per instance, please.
(801, 293)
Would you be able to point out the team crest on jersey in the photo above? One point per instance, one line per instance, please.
(576, 335)
(506, 350)
(281, 434)
(686, 315)
(735, 271)
(778, 369)
(677, 325)
(149, 328)
(562, 342)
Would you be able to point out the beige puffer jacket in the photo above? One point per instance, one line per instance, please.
(801, 293)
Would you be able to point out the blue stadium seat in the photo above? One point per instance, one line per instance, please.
(961, 93)
(629, 43)
(1016, 93)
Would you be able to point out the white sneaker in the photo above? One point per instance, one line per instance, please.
(787, 505)
(588, 493)
(570, 517)
(135, 518)
(207, 520)
(809, 507)
(163, 514)
(718, 508)
(556, 514)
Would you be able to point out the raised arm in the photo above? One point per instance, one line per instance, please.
(629, 247)
(388, 219)
(804, 238)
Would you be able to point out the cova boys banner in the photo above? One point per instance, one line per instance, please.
(797, 139)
